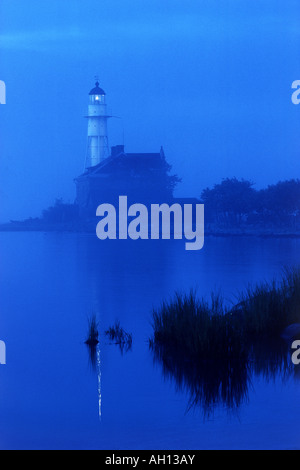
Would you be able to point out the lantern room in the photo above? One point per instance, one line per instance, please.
(97, 95)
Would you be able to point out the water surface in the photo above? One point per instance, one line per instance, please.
(50, 394)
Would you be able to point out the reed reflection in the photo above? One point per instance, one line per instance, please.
(210, 384)
(94, 354)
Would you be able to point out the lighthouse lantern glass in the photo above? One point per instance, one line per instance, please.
(96, 99)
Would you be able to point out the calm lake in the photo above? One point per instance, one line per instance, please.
(53, 396)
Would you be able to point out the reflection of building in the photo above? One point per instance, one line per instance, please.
(142, 177)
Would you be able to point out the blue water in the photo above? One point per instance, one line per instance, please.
(50, 395)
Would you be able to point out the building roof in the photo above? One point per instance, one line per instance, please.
(129, 161)
(136, 162)
(97, 90)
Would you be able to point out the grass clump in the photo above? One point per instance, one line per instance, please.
(119, 336)
(198, 329)
(93, 333)
(212, 351)
(268, 308)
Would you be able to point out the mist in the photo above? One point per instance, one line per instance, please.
(210, 81)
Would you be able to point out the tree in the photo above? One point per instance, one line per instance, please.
(283, 197)
(280, 203)
(60, 212)
(229, 201)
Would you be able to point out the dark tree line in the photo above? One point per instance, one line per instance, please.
(61, 212)
(236, 202)
(231, 203)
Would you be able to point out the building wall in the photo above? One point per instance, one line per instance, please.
(93, 191)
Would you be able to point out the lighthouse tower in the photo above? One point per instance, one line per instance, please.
(97, 147)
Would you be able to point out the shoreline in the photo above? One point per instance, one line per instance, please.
(71, 228)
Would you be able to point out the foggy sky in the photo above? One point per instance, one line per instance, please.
(208, 80)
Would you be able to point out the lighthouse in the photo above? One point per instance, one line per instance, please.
(109, 173)
(97, 146)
